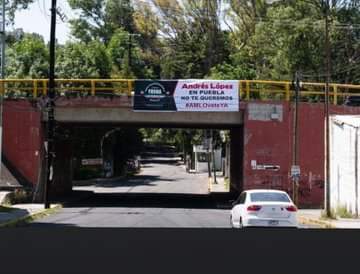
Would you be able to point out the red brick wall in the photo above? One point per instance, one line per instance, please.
(271, 142)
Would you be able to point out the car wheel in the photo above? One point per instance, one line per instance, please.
(241, 223)
(231, 222)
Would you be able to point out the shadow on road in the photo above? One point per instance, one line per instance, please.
(164, 161)
(136, 180)
(49, 225)
(155, 200)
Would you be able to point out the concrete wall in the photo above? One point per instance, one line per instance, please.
(119, 111)
(344, 163)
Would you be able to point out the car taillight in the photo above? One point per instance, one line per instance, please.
(253, 208)
(291, 208)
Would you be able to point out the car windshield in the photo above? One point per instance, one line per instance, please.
(269, 197)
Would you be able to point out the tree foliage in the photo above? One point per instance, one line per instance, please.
(83, 60)
(194, 41)
(99, 19)
(27, 58)
(233, 39)
(11, 6)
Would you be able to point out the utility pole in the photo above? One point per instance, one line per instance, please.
(2, 71)
(208, 152)
(327, 123)
(51, 118)
(129, 52)
(296, 177)
(213, 155)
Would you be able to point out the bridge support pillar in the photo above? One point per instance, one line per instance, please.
(63, 175)
(236, 159)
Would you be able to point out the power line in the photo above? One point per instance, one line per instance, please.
(43, 10)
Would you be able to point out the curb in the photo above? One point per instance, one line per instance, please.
(30, 217)
(321, 223)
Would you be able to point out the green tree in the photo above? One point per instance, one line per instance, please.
(193, 39)
(28, 58)
(147, 25)
(119, 48)
(83, 60)
(99, 19)
(288, 40)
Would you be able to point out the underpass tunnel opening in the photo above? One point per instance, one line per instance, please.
(156, 160)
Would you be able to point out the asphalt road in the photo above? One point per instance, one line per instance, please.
(117, 210)
(158, 175)
(162, 195)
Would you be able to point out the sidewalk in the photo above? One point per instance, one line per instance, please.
(7, 180)
(14, 214)
(11, 215)
(313, 216)
(221, 186)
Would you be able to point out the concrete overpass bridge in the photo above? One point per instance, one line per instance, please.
(261, 130)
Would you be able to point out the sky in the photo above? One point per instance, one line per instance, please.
(37, 19)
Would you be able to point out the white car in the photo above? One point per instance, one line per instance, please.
(263, 208)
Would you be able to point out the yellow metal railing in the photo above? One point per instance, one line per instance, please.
(39, 87)
(248, 89)
(283, 90)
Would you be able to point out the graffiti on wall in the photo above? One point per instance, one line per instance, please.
(310, 186)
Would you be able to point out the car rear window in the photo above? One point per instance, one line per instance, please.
(268, 197)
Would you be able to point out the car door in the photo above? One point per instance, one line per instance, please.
(238, 208)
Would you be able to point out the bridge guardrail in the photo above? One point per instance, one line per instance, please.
(248, 89)
(283, 90)
(33, 88)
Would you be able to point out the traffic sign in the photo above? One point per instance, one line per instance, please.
(295, 171)
(92, 162)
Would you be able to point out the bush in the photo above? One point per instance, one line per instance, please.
(19, 196)
(85, 173)
(342, 212)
